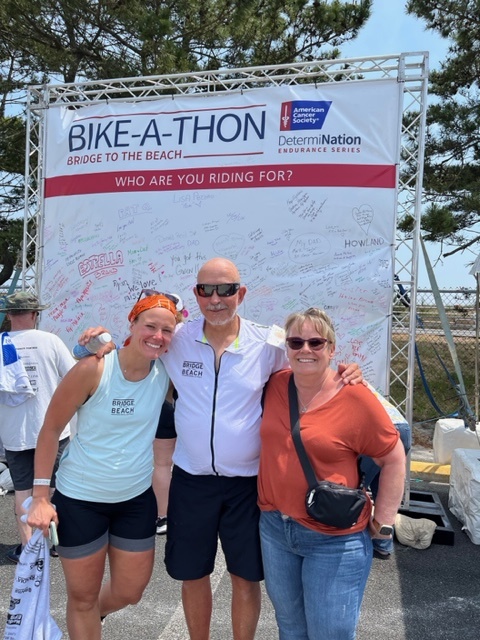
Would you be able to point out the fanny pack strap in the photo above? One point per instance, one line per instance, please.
(297, 439)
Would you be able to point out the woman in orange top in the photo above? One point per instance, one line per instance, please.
(315, 574)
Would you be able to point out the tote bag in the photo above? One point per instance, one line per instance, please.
(29, 616)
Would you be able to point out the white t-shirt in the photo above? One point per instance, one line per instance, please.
(46, 360)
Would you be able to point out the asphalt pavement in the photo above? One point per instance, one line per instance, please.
(414, 595)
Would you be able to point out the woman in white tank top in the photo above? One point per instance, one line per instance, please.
(108, 464)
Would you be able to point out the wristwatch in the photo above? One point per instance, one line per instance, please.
(383, 529)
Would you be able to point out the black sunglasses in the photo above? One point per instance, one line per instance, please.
(223, 290)
(171, 296)
(315, 344)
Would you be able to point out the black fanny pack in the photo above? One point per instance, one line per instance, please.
(334, 504)
(327, 502)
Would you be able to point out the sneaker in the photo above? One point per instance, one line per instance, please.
(14, 554)
(161, 526)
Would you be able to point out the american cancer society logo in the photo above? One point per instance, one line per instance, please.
(303, 114)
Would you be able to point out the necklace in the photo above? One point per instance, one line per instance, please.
(304, 407)
(131, 371)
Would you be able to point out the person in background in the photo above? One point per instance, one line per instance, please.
(105, 504)
(46, 360)
(315, 575)
(163, 447)
(164, 444)
(219, 364)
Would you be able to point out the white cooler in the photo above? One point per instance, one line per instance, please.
(451, 434)
(464, 492)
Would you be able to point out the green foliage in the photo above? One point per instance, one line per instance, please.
(10, 242)
(73, 40)
(439, 222)
(12, 137)
(452, 149)
(12, 161)
(95, 39)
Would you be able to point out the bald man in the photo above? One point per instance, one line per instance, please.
(219, 365)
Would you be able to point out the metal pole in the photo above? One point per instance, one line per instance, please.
(11, 289)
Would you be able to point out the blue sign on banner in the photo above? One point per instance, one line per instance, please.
(303, 114)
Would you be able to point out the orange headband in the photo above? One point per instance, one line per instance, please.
(151, 302)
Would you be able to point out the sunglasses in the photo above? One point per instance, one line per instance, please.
(223, 290)
(315, 344)
(177, 301)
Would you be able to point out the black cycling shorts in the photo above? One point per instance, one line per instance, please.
(202, 509)
(85, 527)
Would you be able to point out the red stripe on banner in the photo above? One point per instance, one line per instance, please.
(299, 175)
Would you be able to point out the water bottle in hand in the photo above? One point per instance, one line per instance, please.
(92, 346)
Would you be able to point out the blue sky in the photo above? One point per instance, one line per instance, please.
(391, 30)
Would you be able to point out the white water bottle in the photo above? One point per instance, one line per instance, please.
(93, 345)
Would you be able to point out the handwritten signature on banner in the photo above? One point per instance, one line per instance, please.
(305, 254)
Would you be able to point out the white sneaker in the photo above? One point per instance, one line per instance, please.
(161, 526)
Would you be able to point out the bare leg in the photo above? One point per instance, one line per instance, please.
(130, 572)
(162, 471)
(24, 529)
(83, 577)
(197, 605)
(246, 602)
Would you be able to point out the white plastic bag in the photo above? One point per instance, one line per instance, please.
(6, 483)
(29, 613)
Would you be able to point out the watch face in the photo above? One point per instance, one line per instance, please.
(385, 530)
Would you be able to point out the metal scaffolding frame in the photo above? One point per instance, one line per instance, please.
(410, 69)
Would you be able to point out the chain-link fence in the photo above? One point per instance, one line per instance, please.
(436, 392)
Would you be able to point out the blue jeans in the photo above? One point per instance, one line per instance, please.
(315, 581)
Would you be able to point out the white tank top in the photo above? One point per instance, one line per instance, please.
(110, 459)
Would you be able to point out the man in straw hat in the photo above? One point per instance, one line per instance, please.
(46, 360)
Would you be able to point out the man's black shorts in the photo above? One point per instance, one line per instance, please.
(202, 509)
(20, 464)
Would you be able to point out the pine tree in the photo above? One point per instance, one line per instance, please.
(452, 149)
(74, 40)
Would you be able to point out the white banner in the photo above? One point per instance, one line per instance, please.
(296, 185)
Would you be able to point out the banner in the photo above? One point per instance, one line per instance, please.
(296, 185)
